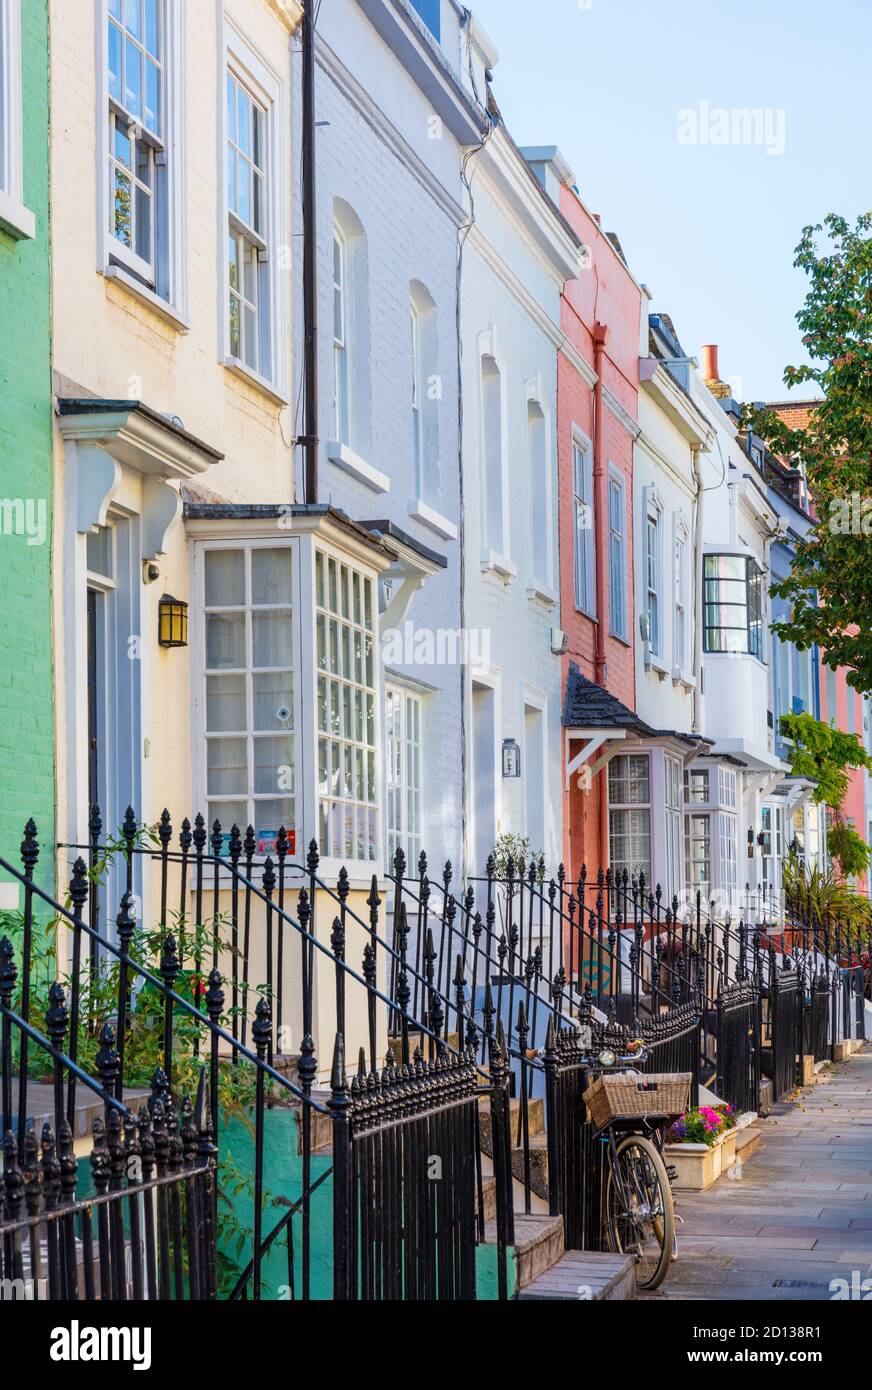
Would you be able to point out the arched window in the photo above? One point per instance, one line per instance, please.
(425, 394)
(537, 463)
(492, 454)
(351, 378)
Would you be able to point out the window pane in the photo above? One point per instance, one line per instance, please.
(251, 338)
(273, 693)
(115, 62)
(231, 108)
(243, 192)
(243, 133)
(229, 813)
(269, 817)
(271, 576)
(123, 220)
(273, 764)
(271, 639)
(143, 224)
(151, 31)
(226, 766)
(225, 641)
(225, 704)
(225, 578)
(152, 97)
(132, 78)
(133, 17)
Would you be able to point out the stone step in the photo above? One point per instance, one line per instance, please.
(535, 1119)
(538, 1245)
(584, 1276)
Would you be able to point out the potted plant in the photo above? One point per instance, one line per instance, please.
(701, 1145)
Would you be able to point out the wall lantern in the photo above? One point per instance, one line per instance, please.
(172, 622)
(750, 842)
(511, 758)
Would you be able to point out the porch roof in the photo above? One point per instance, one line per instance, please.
(590, 706)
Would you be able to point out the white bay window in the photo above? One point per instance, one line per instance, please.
(249, 691)
(630, 814)
(404, 723)
(345, 626)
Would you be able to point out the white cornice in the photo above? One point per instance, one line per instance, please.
(664, 390)
(621, 415)
(139, 442)
(507, 172)
(387, 132)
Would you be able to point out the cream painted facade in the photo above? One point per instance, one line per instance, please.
(174, 443)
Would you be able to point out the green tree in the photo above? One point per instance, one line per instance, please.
(830, 587)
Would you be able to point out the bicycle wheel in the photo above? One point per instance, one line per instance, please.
(640, 1215)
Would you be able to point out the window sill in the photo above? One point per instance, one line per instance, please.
(15, 219)
(656, 665)
(351, 463)
(117, 275)
(239, 369)
(679, 678)
(540, 593)
(619, 637)
(494, 563)
(429, 517)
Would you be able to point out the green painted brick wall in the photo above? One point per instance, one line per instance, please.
(27, 775)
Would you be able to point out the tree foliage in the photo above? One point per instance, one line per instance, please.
(824, 755)
(830, 587)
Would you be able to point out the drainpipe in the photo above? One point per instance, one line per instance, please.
(697, 591)
(310, 262)
(601, 497)
(601, 501)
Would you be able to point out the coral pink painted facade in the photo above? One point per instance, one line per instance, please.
(604, 294)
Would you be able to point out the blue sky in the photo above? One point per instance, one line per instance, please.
(709, 228)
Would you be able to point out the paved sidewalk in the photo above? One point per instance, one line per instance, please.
(799, 1214)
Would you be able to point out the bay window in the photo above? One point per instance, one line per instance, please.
(345, 633)
(250, 721)
(733, 605)
(404, 722)
(710, 833)
(630, 814)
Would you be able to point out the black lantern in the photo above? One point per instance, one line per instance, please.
(172, 622)
(750, 842)
(511, 758)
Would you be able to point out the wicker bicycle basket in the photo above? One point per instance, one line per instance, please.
(617, 1096)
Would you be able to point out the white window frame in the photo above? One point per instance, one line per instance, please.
(417, 397)
(624, 808)
(260, 79)
(535, 398)
(680, 553)
(15, 218)
(169, 246)
(398, 833)
(341, 363)
(652, 570)
(673, 803)
(584, 536)
(720, 808)
(492, 557)
(299, 671)
(619, 539)
(328, 855)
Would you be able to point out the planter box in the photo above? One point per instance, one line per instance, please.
(698, 1166)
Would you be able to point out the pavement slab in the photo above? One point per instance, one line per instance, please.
(799, 1216)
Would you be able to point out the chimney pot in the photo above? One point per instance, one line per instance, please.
(709, 353)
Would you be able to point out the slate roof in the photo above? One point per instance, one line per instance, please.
(590, 706)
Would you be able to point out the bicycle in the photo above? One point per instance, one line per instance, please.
(632, 1118)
